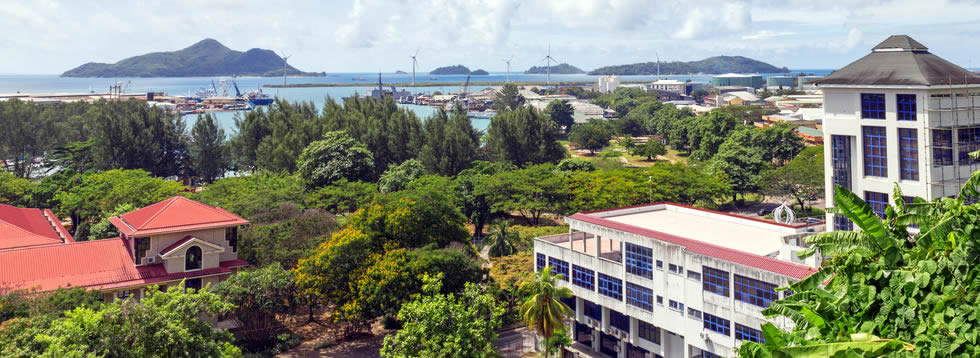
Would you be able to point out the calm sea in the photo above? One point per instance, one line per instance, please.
(317, 95)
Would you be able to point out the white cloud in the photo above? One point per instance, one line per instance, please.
(711, 20)
(766, 34)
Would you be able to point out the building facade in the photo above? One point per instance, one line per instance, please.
(780, 82)
(667, 280)
(899, 115)
(607, 84)
(173, 241)
(740, 80)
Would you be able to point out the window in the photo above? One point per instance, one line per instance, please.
(694, 275)
(755, 292)
(969, 142)
(715, 280)
(905, 106)
(717, 324)
(619, 321)
(192, 259)
(676, 306)
(231, 234)
(873, 105)
(706, 354)
(593, 310)
(192, 283)
(660, 300)
(675, 269)
(542, 261)
(560, 267)
(875, 152)
(639, 296)
(569, 301)
(877, 201)
(583, 277)
(693, 313)
(748, 334)
(611, 287)
(908, 153)
(942, 147)
(122, 294)
(649, 332)
(639, 260)
(660, 265)
(142, 246)
(841, 156)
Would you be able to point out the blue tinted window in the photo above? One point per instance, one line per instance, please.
(715, 280)
(942, 147)
(969, 143)
(877, 201)
(755, 292)
(840, 149)
(639, 296)
(542, 261)
(908, 153)
(717, 324)
(639, 260)
(873, 105)
(593, 310)
(611, 287)
(748, 334)
(905, 106)
(560, 267)
(649, 332)
(619, 320)
(875, 152)
(583, 277)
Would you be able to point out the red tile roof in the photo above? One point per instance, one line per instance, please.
(174, 215)
(175, 245)
(722, 253)
(21, 227)
(100, 264)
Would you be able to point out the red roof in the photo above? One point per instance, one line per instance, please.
(99, 264)
(722, 253)
(174, 215)
(21, 227)
(175, 245)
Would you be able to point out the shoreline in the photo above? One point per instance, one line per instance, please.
(439, 84)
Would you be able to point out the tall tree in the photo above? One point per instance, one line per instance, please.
(260, 298)
(532, 192)
(706, 133)
(800, 179)
(94, 195)
(271, 138)
(477, 200)
(207, 149)
(524, 136)
(501, 240)
(451, 143)
(779, 143)
(560, 112)
(397, 177)
(132, 135)
(741, 161)
(337, 156)
(508, 98)
(651, 149)
(542, 310)
(391, 133)
(593, 136)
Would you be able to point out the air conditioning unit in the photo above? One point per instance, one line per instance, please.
(150, 260)
(704, 335)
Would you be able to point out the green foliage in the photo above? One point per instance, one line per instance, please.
(593, 136)
(625, 99)
(651, 149)
(746, 114)
(208, 152)
(93, 196)
(392, 134)
(542, 310)
(716, 64)
(161, 324)
(800, 179)
(523, 136)
(470, 185)
(397, 177)
(259, 296)
(508, 98)
(532, 192)
(629, 125)
(706, 133)
(560, 112)
(284, 234)
(451, 70)
(343, 196)
(132, 135)
(104, 229)
(446, 325)
(561, 68)
(740, 161)
(567, 166)
(581, 93)
(451, 143)
(501, 240)
(337, 156)
(271, 138)
(779, 143)
(13, 190)
(249, 195)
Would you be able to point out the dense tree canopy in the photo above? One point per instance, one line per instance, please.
(524, 136)
(337, 156)
(451, 143)
(249, 195)
(532, 192)
(593, 136)
(208, 152)
(508, 98)
(284, 234)
(740, 161)
(271, 138)
(397, 177)
(560, 112)
(800, 179)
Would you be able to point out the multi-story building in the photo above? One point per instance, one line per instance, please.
(735, 79)
(607, 84)
(899, 115)
(668, 280)
(164, 244)
(780, 82)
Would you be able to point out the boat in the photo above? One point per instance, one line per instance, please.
(258, 98)
(486, 114)
(358, 79)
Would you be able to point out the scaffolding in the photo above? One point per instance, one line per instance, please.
(953, 112)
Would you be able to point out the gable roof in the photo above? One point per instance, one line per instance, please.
(98, 264)
(900, 61)
(20, 227)
(174, 215)
(186, 241)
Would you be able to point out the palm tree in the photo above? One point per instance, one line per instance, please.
(543, 311)
(501, 240)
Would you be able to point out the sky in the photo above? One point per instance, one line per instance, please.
(50, 37)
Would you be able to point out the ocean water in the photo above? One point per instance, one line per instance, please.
(318, 95)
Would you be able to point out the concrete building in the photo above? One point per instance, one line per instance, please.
(735, 79)
(899, 115)
(668, 280)
(608, 84)
(674, 86)
(805, 83)
(780, 82)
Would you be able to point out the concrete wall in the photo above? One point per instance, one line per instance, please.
(215, 236)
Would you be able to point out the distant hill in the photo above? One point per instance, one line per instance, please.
(561, 69)
(205, 58)
(480, 72)
(451, 70)
(400, 72)
(717, 64)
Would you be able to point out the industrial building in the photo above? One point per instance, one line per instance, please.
(607, 84)
(735, 79)
(899, 115)
(781, 82)
(668, 280)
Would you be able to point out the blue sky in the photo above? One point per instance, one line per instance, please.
(47, 36)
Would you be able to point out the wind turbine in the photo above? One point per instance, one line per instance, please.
(414, 62)
(658, 66)
(548, 59)
(284, 60)
(508, 68)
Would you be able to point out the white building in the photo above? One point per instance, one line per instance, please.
(670, 86)
(608, 84)
(899, 115)
(668, 280)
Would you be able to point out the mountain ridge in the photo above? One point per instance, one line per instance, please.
(559, 69)
(207, 57)
(710, 65)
